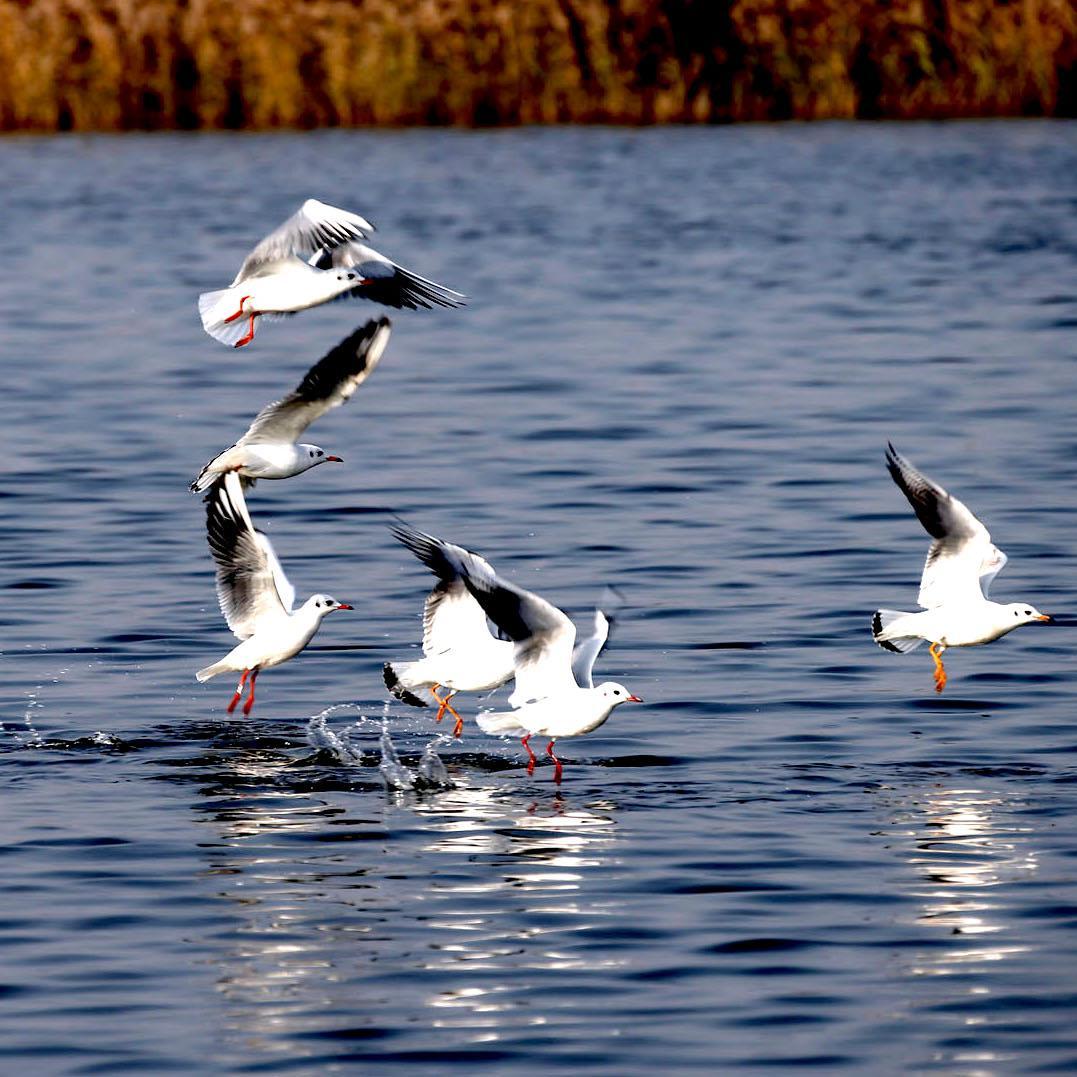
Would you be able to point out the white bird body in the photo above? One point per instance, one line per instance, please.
(268, 450)
(958, 625)
(278, 638)
(569, 713)
(313, 258)
(481, 668)
(961, 564)
(254, 594)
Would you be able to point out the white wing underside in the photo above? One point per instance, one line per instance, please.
(960, 572)
(587, 651)
(544, 664)
(453, 621)
(260, 591)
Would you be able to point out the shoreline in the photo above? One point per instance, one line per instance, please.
(118, 65)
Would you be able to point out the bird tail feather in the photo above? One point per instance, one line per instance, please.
(392, 673)
(212, 671)
(500, 723)
(881, 621)
(216, 308)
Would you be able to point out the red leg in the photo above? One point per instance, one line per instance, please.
(250, 697)
(250, 334)
(557, 763)
(940, 670)
(530, 754)
(238, 313)
(239, 691)
(459, 727)
(442, 703)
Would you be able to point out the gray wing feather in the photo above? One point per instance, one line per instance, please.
(315, 224)
(327, 384)
(249, 576)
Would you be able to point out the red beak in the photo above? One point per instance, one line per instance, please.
(633, 699)
(333, 460)
(345, 606)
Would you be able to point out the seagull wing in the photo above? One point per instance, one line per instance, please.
(385, 281)
(251, 585)
(312, 226)
(587, 650)
(961, 561)
(327, 384)
(452, 618)
(543, 635)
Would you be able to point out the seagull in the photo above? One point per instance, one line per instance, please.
(268, 449)
(298, 266)
(548, 699)
(961, 564)
(254, 594)
(460, 652)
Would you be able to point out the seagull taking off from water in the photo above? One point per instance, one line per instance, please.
(460, 652)
(254, 594)
(961, 563)
(299, 266)
(548, 698)
(268, 449)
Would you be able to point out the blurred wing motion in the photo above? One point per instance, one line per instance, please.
(312, 226)
(384, 281)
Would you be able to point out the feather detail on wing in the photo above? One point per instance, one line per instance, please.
(251, 585)
(451, 615)
(962, 561)
(312, 226)
(384, 281)
(330, 382)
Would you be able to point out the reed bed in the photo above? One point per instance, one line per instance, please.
(137, 64)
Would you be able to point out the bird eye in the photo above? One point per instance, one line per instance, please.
(1028, 613)
(616, 692)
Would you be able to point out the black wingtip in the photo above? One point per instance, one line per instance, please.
(392, 682)
(876, 628)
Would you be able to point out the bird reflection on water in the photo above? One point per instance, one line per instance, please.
(478, 942)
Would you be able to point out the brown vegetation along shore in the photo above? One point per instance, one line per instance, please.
(121, 64)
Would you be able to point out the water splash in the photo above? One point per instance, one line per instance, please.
(433, 774)
(340, 744)
(393, 772)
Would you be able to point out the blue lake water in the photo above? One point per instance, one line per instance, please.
(684, 354)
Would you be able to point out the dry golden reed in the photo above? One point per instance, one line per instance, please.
(121, 64)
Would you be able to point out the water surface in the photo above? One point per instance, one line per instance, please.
(684, 354)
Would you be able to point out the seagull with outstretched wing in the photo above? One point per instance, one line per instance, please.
(547, 699)
(254, 594)
(269, 449)
(962, 562)
(295, 268)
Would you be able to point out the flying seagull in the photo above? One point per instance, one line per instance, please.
(254, 594)
(314, 257)
(268, 450)
(961, 564)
